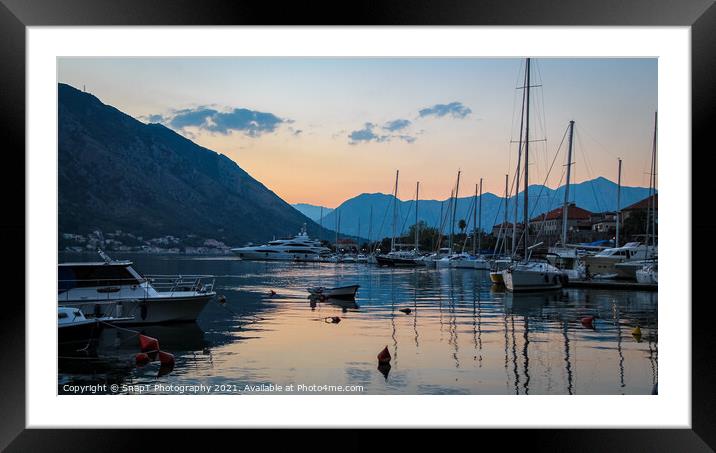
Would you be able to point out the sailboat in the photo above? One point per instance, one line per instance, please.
(563, 257)
(401, 258)
(530, 275)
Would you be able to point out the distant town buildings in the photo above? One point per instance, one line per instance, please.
(127, 242)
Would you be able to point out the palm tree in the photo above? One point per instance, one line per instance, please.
(462, 225)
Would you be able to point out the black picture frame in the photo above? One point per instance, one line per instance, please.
(16, 15)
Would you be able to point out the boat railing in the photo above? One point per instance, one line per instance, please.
(177, 283)
(110, 289)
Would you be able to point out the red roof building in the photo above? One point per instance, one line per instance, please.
(577, 219)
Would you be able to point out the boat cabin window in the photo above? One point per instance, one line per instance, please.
(92, 276)
(61, 315)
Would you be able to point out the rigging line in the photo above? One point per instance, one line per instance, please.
(539, 195)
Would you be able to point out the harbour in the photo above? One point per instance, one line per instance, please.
(462, 336)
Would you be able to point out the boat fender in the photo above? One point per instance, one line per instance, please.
(148, 344)
(564, 278)
(143, 309)
(384, 356)
(141, 359)
(166, 359)
(546, 278)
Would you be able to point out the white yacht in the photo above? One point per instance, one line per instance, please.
(604, 263)
(532, 276)
(432, 259)
(114, 288)
(463, 261)
(298, 248)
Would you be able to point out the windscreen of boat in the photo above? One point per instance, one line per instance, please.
(95, 276)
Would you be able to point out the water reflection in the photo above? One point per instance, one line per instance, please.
(460, 335)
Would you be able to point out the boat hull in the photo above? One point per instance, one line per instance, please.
(520, 280)
(154, 310)
(396, 262)
(79, 333)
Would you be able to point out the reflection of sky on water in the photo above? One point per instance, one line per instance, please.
(461, 335)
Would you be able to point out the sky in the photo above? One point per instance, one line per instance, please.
(323, 130)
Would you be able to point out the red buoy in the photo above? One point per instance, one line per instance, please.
(384, 356)
(148, 343)
(166, 359)
(588, 321)
(141, 359)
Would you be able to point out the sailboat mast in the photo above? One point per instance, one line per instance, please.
(517, 174)
(565, 208)
(417, 194)
(479, 220)
(454, 210)
(619, 203)
(395, 198)
(527, 156)
(321, 232)
(652, 201)
(504, 239)
(474, 222)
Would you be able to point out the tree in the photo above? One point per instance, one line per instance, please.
(462, 225)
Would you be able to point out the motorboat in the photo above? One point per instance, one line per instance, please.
(342, 292)
(532, 276)
(400, 259)
(74, 327)
(463, 261)
(115, 288)
(432, 259)
(568, 260)
(605, 261)
(648, 274)
(628, 269)
(496, 267)
(298, 248)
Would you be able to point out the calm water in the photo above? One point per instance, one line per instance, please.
(462, 336)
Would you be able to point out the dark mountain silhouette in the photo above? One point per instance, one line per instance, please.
(118, 173)
(597, 195)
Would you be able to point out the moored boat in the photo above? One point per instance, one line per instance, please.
(341, 292)
(115, 288)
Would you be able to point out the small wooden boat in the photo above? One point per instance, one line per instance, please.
(342, 292)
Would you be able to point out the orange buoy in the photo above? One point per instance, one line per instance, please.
(384, 356)
(588, 321)
(148, 343)
(406, 310)
(166, 359)
(141, 359)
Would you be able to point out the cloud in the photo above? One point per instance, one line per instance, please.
(454, 109)
(249, 122)
(396, 125)
(366, 134)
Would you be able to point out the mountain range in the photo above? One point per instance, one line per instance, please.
(311, 211)
(596, 195)
(117, 173)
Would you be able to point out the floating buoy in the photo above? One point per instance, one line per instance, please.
(384, 369)
(166, 359)
(384, 356)
(406, 310)
(636, 333)
(588, 321)
(222, 299)
(141, 359)
(148, 343)
(272, 293)
(333, 319)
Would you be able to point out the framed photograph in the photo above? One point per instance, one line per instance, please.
(429, 217)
